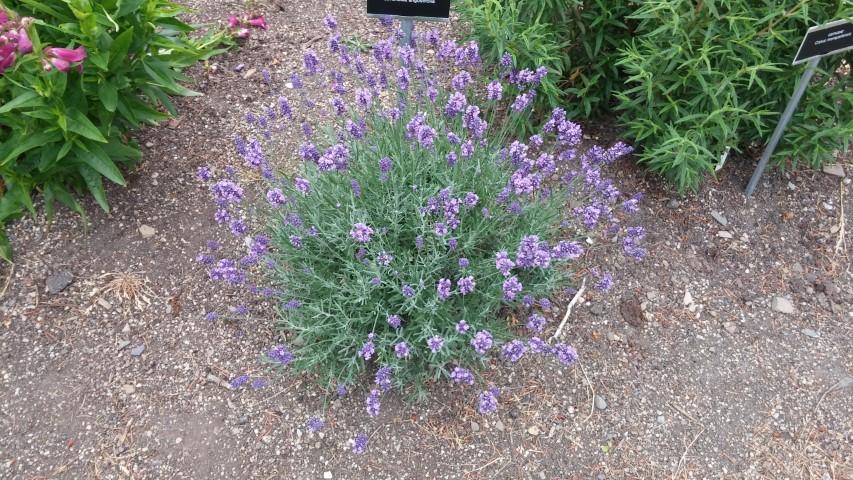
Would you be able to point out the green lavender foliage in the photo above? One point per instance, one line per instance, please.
(577, 40)
(708, 76)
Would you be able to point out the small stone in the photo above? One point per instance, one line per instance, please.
(688, 299)
(104, 303)
(500, 426)
(137, 350)
(327, 475)
(57, 282)
(791, 186)
(673, 204)
(781, 305)
(810, 333)
(149, 144)
(845, 382)
(730, 327)
(600, 402)
(128, 389)
(661, 419)
(178, 440)
(652, 296)
(724, 234)
(612, 337)
(534, 430)
(596, 310)
(123, 344)
(836, 170)
(475, 427)
(719, 218)
(126, 328)
(146, 231)
(249, 73)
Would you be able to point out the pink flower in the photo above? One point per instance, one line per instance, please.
(258, 22)
(68, 55)
(3, 16)
(232, 21)
(7, 56)
(243, 33)
(59, 63)
(24, 44)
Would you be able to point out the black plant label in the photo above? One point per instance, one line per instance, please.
(825, 40)
(416, 9)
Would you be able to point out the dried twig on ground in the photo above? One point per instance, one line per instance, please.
(569, 311)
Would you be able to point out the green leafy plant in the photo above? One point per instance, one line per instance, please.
(576, 40)
(65, 113)
(706, 77)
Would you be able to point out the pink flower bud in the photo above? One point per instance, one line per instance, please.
(7, 56)
(60, 64)
(243, 33)
(3, 16)
(24, 44)
(68, 55)
(232, 21)
(258, 22)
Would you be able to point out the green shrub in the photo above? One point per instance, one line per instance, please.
(577, 40)
(415, 208)
(708, 76)
(61, 133)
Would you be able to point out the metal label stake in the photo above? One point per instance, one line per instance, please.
(820, 41)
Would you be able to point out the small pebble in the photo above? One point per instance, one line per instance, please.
(600, 402)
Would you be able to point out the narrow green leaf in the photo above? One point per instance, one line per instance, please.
(95, 184)
(26, 99)
(79, 124)
(100, 161)
(109, 95)
(5, 246)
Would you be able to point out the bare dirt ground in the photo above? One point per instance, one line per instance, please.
(687, 367)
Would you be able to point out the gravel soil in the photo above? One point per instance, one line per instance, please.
(726, 353)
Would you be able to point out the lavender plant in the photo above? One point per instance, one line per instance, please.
(415, 219)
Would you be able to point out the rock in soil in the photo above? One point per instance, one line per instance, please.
(57, 282)
(781, 305)
(146, 231)
(137, 350)
(600, 402)
(836, 170)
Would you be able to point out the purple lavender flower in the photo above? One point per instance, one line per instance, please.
(227, 190)
(408, 291)
(461, 81)
(341, 390)
(403, 78)
(523, 101)
(368, 348)
(402, 350)
(259, 384)
(471, 199)
(303, 185)
(440, 229)
(528, 301)
(394, 320)
(276, 198)
(461, 375)
(605, 283)
(309, 152)
(535, 322)
(330, 22)
(462, 327)
(494, 90)
(443, 288)
(545, 303)
(359, 444)
(463, 263)
(503, 263)
(356, 188)
(339, 106)
(315, 423)
(375, 280)
(293, 303)
(419, 242)
(632, 204)
(238, 227)
(310, 62)
(296, 241)
(212, 245)
(239, 381)
(383, 378)
(452, 138)
(280, 354)
(385, 165)
(506, 60)
(406, 54)
(361, 232)
(203, 174)
(466, 285)
(211, 316)
(482, 341)
(435, 343)
(511, 288)
(242, 309)
(452, 244)
(452, 158)
(538, 346)
(384, 259)
(455, 104)
(566, 249)
(467, 149)
(565, 353)
(373, 403)
(513, 351)
(205, 259)
(488, 402)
